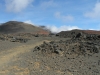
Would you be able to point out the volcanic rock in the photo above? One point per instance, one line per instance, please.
(75, 46)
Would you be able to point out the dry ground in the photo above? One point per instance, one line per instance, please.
(19, 59)
(12, 54)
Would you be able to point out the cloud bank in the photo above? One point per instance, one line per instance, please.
(17, 5)
(64, 18)
(95, 13)
(55, 29)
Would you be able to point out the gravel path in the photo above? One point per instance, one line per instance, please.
(8, 57)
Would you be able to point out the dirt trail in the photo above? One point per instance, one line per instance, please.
(7, 56)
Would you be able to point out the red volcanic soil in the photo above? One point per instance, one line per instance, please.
(91, 31)
(43, 32)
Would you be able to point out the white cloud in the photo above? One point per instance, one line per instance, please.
(95, 13)
(29, 22)
(64, 18)
(55, 29)
(47, 4)
(17, 5)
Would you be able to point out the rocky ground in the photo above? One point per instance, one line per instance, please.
(51, 55)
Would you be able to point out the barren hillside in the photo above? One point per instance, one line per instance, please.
(20, 27)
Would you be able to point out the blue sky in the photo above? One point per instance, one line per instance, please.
(57, 15)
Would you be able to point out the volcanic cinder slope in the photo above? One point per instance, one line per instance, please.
(20, 27)
(75, 52)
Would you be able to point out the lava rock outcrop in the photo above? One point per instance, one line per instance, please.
(77, 45)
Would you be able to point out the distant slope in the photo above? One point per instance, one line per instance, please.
(20, 27)
(91, 32)
(76, 31)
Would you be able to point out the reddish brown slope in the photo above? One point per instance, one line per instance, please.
(91, 31)
(74, 32)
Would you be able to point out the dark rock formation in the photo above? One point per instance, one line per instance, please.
(79, 45)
